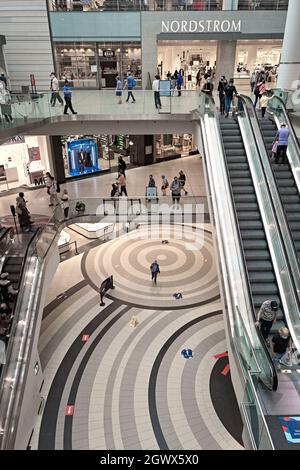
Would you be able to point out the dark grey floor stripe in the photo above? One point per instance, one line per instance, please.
(50, 415)
(56, 302)
(154, 373)
(79, 373)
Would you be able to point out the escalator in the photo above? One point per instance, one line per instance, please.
(13, 266)
(285, 183)
(259, 264)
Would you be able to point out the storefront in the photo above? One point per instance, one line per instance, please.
(23, 161)
(190, 56)
(89, 155)
(168, 146)
(96, 65)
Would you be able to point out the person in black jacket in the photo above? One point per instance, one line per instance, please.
(230, 90)
(221, 91)
(122, 166)
(281, 342)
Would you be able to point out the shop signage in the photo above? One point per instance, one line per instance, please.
(202, 26)
(17, 139)
(108, 53)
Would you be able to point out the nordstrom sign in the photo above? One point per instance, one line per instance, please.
(202, 26)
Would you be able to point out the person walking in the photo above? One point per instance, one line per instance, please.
(266, 317)
(176, 190)
(54, 87)
(53, 190)
(23, 213)
(68, 98)
(198, 78)
(65, 203)
(252, 81)
(155, 270)
(122, 184)
(179, 82)
(130, 83)
(221, 92)
(229, 90)
(264, 101)
(119, 90)
(182, 180)
(121, 165)
(155, 88)
(5, 103)
(151, 183)
(259, 90)
(282, 137)
(281, 343)
(164, 185)
(3, 79)
(208, 86)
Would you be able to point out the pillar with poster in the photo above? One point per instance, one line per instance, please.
(107, 284)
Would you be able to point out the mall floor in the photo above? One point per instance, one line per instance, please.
(129, 384)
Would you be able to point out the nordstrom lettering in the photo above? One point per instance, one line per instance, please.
(202, 26)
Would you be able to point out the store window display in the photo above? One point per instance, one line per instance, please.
(173, 146)
(82, 157)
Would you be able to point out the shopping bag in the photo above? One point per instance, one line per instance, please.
(274, 147)
(287, 359)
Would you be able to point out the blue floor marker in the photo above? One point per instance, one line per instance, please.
(187, 353)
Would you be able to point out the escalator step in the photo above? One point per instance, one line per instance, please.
(263, 266)
(245, 198)
(248, 216)
(242, 189)
(264, 289)
(280, 168)
(240, 174)
(284, 175)
(233, 145)
(262, 277)
(255, 245)
(293, 216)
(290, 199)
(292, 207)
(295, 226)
(235, 152)
(296, 235)
(252, 255)
(238, 166)
(246, 206)
(253, 234)
(236, 159)
(233, 138)
(288, 190)
(255, 225)
(284, 182)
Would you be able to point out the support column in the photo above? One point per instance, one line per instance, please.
(226, 53)
(149, 61)
(230, 5)
(289, 70)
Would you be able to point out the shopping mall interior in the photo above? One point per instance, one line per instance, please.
(150, 228)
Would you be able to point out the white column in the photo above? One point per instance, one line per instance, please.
(226, 53)
(230, 5)
(289, 70)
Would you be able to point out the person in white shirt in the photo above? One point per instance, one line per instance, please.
(54, 87)
(155, 88)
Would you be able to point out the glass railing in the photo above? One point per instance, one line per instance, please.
(251, 407)
(160, 5)
(32, 107)
(235, 274)
(279, 239)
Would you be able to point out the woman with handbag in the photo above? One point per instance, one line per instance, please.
(282, 348)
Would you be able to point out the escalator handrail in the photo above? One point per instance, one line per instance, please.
(283, 244)
(246, 101)
(249, 293)
(288, 121)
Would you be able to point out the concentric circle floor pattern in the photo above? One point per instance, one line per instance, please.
(129, 384)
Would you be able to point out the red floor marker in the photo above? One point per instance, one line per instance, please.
(224, 354)
(226, 370)
(69, 410)
(85, 337)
